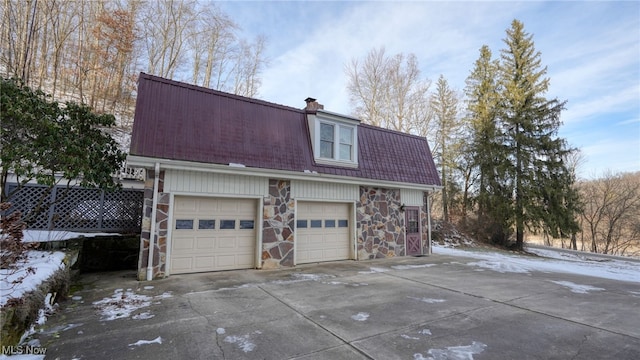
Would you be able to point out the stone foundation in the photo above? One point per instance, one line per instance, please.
(380, 223)
(278, 226)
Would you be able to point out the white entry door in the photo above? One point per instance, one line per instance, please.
(211, 234)
(322, 232)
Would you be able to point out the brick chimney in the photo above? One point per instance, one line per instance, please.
(313, 105)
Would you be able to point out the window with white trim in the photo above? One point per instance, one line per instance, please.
(334, 138)
(337, 142)
(346, 143)
(327, 132)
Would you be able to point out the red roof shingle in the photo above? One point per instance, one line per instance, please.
(179, 121)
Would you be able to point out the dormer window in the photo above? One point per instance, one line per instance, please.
(327, 143)
(334, 137)
(340, 150)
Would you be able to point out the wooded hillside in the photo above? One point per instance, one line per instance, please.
(93, 51)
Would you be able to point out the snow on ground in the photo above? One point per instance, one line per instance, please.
(408, 267)
(16, 282)
(301, 277)
(577, 288)
(243, 342)
(157, 340)
(361, 316)
(427, 300)
(453, 352)
(373, 270)
(294, 278)
(124, 303)
(53, 235)
(615, 269)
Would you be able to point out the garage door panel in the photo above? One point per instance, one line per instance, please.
(186, 206)
(207, 235)
(183, 244)
(204, 243)
(212, 207)
(204, 262)
(181, 264)
(227, 242)
(322, 232)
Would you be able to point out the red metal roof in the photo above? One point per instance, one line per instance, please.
(178, 121)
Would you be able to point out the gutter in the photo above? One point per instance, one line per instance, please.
(429, 194)
(152, 233)
(141, 161)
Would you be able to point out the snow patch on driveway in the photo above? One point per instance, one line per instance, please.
(500, 267)
(124, 303)
(409, 267)
(301, 277)
(373, 270)
(453, 352)
(243, 341)
(577, 288)
(361, 316)
(427, 300)
(157, 340)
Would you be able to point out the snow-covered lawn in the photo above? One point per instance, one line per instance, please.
(549, 261)
(53, 235)
(44, 263)
(16, 282)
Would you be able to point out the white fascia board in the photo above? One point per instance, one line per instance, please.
(321, 113)
(147, 162)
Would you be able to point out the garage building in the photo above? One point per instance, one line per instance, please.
(239, 183)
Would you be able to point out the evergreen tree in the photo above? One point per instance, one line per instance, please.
(488, 156)
(535, 170)
(444, 105)
(51, 143)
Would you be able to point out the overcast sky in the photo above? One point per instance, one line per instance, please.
(591, 50)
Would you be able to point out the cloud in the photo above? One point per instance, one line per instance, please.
(591, 50)
(618, 155)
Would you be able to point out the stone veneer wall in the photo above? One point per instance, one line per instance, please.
(381, 229)
(425, 226)
(160, 236)
(278, 225)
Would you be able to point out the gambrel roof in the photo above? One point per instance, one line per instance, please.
(178, 121)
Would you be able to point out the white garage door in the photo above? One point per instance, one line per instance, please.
(322, 232)
(211, 234)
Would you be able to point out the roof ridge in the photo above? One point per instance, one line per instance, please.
(373, 127)
(217, 92)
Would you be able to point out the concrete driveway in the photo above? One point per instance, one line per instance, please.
(435, 307)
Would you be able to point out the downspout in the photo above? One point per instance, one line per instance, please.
(152, 234)
(429, 220)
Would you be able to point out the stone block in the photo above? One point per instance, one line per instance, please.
(270, 264)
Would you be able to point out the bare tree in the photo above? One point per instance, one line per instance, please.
(165, 25)
(248, 66)
(92, 51)
(20, 23)
(389, 92)
(611, 214)
(211, 45)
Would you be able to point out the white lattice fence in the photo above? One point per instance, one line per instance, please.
(78, 209)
